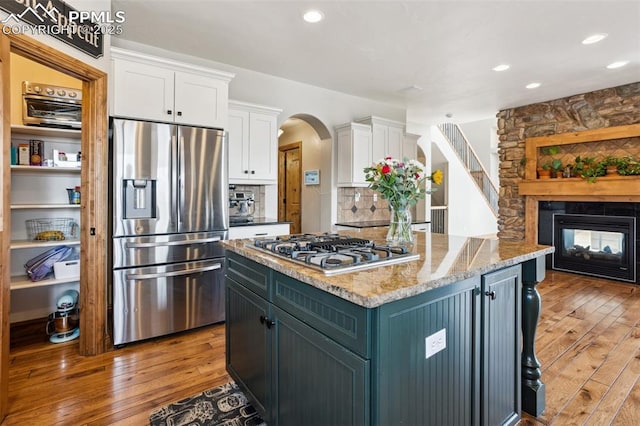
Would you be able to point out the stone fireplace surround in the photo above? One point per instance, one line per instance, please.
(546, 209)
(601, 109)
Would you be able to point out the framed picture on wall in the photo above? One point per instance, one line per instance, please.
(312, 177)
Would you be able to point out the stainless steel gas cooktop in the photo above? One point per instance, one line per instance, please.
(333, 253)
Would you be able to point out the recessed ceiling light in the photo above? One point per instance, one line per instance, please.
(313, 16)
(594, 38)
(501, 67)
(532, 85)
(617, 64)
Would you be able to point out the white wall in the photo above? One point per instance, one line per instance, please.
(468, 213)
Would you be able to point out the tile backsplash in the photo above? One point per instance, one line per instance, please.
(350, 210)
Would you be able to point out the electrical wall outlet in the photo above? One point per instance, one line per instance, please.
(375, 197)
(435, 343)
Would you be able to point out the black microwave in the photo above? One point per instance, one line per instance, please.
(51, 106)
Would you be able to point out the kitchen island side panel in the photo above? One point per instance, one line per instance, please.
(409, 388)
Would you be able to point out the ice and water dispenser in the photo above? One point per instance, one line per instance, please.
(139, 198)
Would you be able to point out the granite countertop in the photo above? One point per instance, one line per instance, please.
(374, 223)
(444, 259)
(260, 221)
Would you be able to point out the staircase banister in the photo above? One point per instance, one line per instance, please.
(456, 138)
(477, 158)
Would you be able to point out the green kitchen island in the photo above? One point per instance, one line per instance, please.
(447, 339)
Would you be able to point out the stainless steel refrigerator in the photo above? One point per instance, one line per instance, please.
(169, 196)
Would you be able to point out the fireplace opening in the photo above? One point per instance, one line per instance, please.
(602, 246)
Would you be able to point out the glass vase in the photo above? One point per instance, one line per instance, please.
(400, 226)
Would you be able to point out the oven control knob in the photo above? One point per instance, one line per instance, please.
(61, 93)
(50, 91)
(72, 94)
(37, 89)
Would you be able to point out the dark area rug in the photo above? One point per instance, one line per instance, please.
(223, 405)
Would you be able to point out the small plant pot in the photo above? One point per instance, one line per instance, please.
(612, 171)
(544, 174)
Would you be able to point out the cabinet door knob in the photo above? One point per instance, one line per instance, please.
(169, 112)
(246, 172)
(491, 294)
(179, 113)
(253, 172)
(266, 321)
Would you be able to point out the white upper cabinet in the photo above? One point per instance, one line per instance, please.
(151, 88)
(253, 143)
(410, 146)
(388, 137)
(354, 153)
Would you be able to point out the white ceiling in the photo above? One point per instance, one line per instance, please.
(375, 49)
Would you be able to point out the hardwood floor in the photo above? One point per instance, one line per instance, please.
(588, 342)
(50, 384)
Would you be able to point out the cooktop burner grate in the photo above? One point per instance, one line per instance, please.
(333, 253)
(340, 243)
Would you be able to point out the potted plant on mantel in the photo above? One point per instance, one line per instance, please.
(611, 165)
(556, 167)
(544, 172)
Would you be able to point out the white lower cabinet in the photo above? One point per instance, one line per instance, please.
(251, 231)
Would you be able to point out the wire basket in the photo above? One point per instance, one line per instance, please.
(51, 229)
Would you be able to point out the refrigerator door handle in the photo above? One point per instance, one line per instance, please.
(132, 277)
(172, 243)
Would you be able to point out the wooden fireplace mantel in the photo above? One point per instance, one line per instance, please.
(604, 189)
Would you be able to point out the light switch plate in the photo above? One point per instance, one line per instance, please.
(435, 343)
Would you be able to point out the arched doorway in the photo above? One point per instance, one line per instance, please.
(305, 147)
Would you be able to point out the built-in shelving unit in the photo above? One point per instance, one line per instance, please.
(20, 282)
(40, 169)
(40, 192)
(46, 132)
(24, 244)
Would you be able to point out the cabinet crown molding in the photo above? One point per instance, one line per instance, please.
(379, 120)
(119, 53)
(352, 125)
(239, 105)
